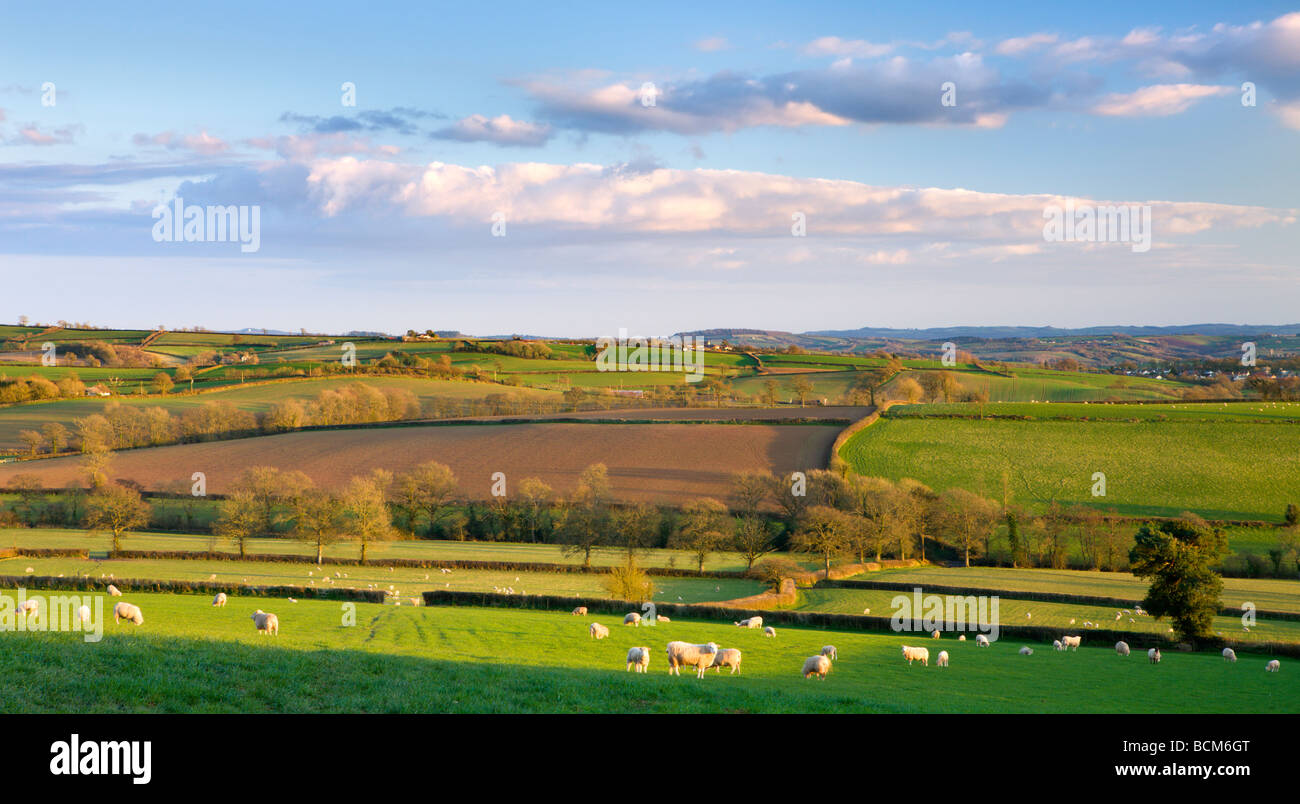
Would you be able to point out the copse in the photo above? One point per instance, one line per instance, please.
(1177, 556)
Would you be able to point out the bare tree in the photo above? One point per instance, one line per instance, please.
(116, 509)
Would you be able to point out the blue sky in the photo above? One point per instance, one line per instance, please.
(651, 218)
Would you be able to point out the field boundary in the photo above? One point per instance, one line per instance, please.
(183, 587)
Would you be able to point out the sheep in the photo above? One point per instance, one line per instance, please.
(752, 622)
(580, 611)
(830, 653)
(1229, 655)
(28, 608)
(961, 638)
(817, 665)
(113, 591)
(1153, 656)
(934, 634)
(638, 658)
(684, 653)
(921, 655)
(1056, 645)
(220, 599)
(267, 623)
(727, 657)
(981, 641)
(1273, 666)
(83, 614)
(632, 619)
(1026, 651)
(943, 659)
(1071, 642)
(597, 631)
(126, 611)
(662, 619)
(1121, 648)
(769, 631)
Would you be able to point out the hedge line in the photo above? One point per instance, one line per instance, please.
(186, 587)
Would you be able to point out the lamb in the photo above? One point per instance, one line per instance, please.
(597, 631)
(126, 611)
(727, 657)
(267, 623)
(921, 655)
(1121, 648)
(1071, 642)
(943, 659)
(1229, 655)
(934, 634)
(752, 622)
(1273, 666)
(662, 619)
(1153, 656)
(113, 591)
(1026, 651)
(638, 658)
(830, 653)
(981, 641)
(220, 599)
(83, 614)
(700, 657)
(769, 631)
(580, 611)
(1056, 645)
(632, 619)
(817, 665)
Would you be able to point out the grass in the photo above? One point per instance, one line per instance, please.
(1235, 412)
(190, 657)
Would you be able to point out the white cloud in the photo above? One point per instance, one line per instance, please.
(1025, 44)
(1159, 100)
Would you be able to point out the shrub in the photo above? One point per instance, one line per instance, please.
(629, 582)
(770, 571)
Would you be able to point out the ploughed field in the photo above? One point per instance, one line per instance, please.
(191, 657)
(671, 463)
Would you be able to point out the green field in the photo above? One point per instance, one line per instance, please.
(1241, 412)
(191, 657)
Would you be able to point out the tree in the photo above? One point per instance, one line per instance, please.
(429, 487)
(879, 504)
(162, 383)
(269, 488)
(629, 582)
(1177, 556)
(56, 435)
(753, 539)
(908, 390)
(365, 513)
(1014, 543)
(534, 495)
(96, 465)
(117, 509)
(825, 532)
(749, 490)
(802, 388)
(969, 517)
(704, 529)
(1292, 516)
(587, 523)
(918, 508)
(769, 392)
(636, 525)
(318, 519)
(32, 440)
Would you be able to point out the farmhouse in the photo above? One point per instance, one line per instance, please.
(98, 390)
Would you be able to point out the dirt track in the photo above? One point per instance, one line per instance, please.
(669, 463)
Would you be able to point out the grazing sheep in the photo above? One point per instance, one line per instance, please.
(943, 659)
(662, 619)
(220, 599)
(1071, 642)
(921, 655)
(1026, 651)
(1121, 648)
(638, 658)
(632, 619)
(580, 611)
(597, 631)
(981, 641)
(752, 622)
(83, 614)
(126, 611)
(817, 665)
(830, 653)
(1273, 666)
(267, 623)
(961, 638)
(113, 591)
(934, 634)
(28, 608)
(1229, 655)
(1056, 645)
(727, 657)
(700, 657)
(769, 631)
(1153, 656)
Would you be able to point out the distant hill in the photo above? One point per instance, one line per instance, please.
(1057, 332)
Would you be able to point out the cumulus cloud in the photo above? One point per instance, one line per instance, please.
(33, 134)
(501, 130)
(1025, 44)
(1160, 100)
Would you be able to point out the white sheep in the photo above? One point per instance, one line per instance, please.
(727, 657)
(632, 619)
(638, 658)
(28, 608)
(597, 631)
(921, 655)
(662, 619)
(220, 599)
(817, 665)
(943, 659)
(1026, 651)
(267, 623)
(981, 641)
(684, 653)
(1273, 666)
(1121, 648)
(83, 614)
(1153, 656)
(1229, 655)
(769, 631)
(126, 611)
(961, 638)
(1056, 645)
(934, 634)
(830, 653)
(752, 622)
(113, 591)
(580, 611)
(1071, 642)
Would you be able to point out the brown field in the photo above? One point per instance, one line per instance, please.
(668, 463)
(784, 413)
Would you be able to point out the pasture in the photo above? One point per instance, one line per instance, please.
(191, 657)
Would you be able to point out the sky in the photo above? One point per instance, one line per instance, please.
(515, 168)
